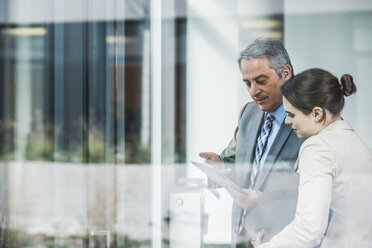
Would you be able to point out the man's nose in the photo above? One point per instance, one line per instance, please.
(255, 91)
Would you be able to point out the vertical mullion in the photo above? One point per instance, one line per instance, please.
(156, 125)
(86, 66)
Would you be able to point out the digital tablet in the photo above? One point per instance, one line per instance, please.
(217, 176)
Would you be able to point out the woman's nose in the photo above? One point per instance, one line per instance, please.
(287, 121)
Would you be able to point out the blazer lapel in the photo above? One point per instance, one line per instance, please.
(272, 156)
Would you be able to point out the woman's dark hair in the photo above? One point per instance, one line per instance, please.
(318, 88)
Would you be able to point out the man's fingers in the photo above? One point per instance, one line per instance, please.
(210, 157)
(205, 155)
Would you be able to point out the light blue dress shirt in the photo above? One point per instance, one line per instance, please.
(279, 114)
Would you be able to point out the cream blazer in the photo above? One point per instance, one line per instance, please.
(334, 206)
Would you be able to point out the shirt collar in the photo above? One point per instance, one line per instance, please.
(279, 114)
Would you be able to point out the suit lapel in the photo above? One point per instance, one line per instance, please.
(250, 138)
(272, 156)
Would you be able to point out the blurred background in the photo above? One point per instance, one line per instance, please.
(104, 103)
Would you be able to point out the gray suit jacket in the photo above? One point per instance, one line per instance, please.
(276, 179)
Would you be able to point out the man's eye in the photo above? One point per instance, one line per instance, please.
(290, 115)
(248, 84)
(261, 82)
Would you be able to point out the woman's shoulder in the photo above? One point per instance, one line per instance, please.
(313, 144)
(326, 139)
(316, 155)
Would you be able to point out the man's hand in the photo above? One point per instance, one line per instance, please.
(246, 201)
(211, 158)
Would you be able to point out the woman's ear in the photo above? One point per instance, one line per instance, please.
(317, 113)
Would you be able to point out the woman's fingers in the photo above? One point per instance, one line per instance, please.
(256, 242)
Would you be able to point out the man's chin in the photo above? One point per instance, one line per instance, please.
(265, 108)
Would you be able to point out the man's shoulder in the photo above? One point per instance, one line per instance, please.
(250, 108)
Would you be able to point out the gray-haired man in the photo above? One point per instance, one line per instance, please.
(263, 151)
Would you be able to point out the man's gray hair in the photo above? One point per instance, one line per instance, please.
(272, 49)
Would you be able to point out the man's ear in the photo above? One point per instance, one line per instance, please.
(287, 72)
(317, 113)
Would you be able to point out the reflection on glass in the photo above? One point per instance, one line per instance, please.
(75, 123)
(72, 88)
(76, 114)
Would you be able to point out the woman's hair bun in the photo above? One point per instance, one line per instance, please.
(347, 85)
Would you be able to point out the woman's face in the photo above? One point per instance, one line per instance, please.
(304, 125)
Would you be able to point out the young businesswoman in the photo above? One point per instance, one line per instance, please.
(334, 197)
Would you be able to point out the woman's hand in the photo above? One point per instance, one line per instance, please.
(256, 242)
(246, 201)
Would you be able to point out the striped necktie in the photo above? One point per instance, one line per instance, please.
(260, 150)
(260, 147)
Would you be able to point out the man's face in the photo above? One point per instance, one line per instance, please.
(263, 82)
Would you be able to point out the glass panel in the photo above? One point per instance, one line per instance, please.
(104, 104)
(77, 121)
(343, 30)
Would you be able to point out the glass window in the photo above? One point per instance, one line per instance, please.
(103, 104)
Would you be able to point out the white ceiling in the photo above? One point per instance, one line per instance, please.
(41, 11)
